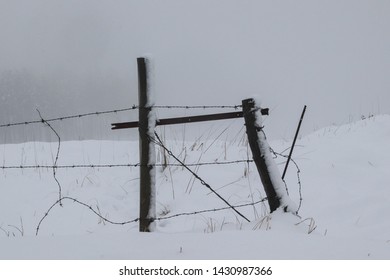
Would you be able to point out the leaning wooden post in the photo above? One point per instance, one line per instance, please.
(146, 148)
(269, 174)
(249, 109)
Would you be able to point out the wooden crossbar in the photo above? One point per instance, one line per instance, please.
(189, 119)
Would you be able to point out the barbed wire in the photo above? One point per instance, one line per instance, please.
(298, 176)
(59, 201)
(57, 155)
(70, 117)
(210, 210)
(98, 214)
(197, 107)
(134, 107)
(69, 166)
(121, 165)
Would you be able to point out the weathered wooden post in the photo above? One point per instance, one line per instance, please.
(269, 173)
(146, 148)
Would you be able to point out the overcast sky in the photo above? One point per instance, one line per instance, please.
(333, 55)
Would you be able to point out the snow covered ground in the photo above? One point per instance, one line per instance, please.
(344, 214)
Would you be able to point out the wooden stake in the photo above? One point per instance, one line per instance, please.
(293, 144)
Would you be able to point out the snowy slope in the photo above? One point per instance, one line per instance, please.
(345, 208)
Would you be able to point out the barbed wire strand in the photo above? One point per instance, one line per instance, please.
(120, 165)
(298, 177)
(59, 201)
(70, 117)
(134, 107)
(57, 155)
(136, 219)
(68, 166)
(211, 210)
(160, 143)
(198, 107)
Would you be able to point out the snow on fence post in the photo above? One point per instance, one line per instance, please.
(147, 123)
(269, 174)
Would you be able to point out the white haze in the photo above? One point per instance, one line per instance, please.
(70, 57)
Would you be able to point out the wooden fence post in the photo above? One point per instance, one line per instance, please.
(146, 150)
(249, 110)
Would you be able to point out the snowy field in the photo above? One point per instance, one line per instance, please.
(344, 213)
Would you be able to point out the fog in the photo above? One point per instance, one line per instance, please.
(71, 57)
